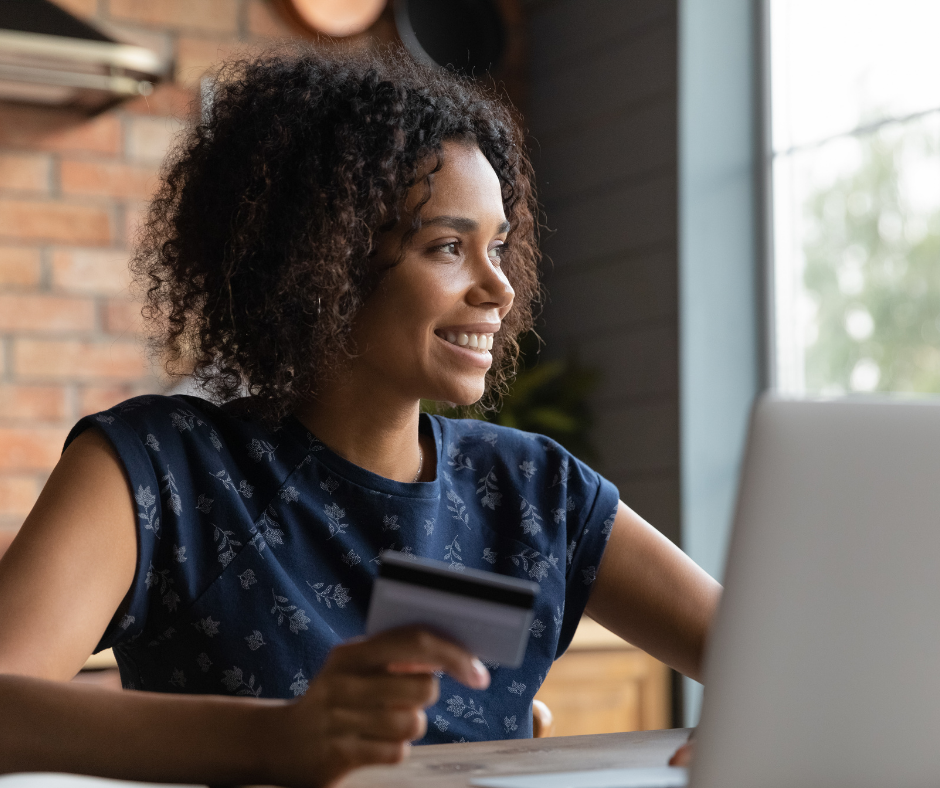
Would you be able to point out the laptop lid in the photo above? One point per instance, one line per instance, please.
(824, 662)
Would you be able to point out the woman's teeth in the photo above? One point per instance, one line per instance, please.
(479, 342)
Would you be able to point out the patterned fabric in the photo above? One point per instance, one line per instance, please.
(257, 550)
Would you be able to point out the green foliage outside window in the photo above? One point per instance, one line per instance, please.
(873, 274)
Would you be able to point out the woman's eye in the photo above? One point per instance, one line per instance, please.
(496, 253)
(448, 248)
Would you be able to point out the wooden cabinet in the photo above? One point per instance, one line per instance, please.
(604, 685)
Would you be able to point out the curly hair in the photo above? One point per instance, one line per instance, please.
(259, 246)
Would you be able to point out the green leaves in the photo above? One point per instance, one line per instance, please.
(872, 271)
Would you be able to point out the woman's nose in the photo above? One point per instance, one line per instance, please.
(492, 286)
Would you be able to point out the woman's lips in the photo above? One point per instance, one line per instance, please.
(478, 357)
(479, 341)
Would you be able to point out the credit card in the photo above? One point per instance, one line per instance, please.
(487, 613)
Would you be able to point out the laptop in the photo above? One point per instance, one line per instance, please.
(824, 665)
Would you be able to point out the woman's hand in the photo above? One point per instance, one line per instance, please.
(683, 756)
(367, 704)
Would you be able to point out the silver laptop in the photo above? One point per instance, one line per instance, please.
(824, 667)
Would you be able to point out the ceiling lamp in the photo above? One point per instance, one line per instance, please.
(338, 18)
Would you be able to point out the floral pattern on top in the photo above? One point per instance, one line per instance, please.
(490, 496)
(148, 512)
(258, 547)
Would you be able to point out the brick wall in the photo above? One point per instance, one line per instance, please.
(72, 189)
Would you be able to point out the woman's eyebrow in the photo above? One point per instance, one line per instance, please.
(460, 224)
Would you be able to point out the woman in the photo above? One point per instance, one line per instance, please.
(345, 236)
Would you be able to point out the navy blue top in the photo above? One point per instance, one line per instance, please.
(257, 550)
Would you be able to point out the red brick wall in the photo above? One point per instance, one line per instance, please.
(71, 191)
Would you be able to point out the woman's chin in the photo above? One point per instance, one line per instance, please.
(459, 399)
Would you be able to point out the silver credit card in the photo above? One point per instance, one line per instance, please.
(487, 613)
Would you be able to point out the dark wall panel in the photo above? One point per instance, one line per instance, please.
(617, 293)
(605, 223)
(628, 144)
(602, 118)
(603, 79)
(563, 36)
(639, 439)
(648, 359)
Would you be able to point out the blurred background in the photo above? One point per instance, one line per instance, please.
(739, 195)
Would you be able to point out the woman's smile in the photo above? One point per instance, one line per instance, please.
(471, 347)
(480, 342)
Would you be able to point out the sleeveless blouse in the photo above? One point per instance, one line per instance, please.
(257, 550)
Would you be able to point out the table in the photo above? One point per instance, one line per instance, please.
(454, 765)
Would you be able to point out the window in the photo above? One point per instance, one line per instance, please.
(855, 105)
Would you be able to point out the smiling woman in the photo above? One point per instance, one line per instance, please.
(281, 214)
(343, 237)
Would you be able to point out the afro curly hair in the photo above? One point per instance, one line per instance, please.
(259, 246)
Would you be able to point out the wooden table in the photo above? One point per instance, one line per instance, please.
(454, 765)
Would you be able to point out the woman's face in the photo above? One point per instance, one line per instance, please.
(416, 333)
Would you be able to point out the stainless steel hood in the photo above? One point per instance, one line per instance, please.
(47, 56)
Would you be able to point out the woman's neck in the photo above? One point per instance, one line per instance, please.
(375, 433)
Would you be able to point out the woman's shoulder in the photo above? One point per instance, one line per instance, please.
(535, 464)
(496, 436)
(183, 414)
(191, 429)
(527, 459)
(180, 411)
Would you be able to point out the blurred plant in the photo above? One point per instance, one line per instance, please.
(547, 397)
(872, 273)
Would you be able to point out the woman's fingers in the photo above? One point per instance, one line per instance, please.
(683, 756)
(411, 667)
(410, 647)
(390, 725)
(350, 752)
(382, 690)
(368, 701)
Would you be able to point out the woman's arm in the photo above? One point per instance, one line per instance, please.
(70, 565)
(363, 708)
(56, 726)
(63, 577)
(651, 593)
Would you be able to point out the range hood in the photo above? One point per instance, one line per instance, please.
(47, 56)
